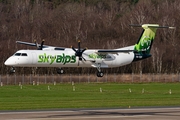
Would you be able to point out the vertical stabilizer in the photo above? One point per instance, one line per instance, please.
(145, 41)
(143, 47)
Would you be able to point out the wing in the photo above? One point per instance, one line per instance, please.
(40, 45)
(113, 51)
(31, 44)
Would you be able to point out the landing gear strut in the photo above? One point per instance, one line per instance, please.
(60, 71)
(99, 73)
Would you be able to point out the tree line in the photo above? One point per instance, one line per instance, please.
(102, 24)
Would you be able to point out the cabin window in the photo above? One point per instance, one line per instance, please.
(58, 48)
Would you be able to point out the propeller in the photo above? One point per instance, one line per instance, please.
(79, 52)
(39, 47)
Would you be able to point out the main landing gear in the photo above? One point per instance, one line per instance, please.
(60, 71)
(99, 72)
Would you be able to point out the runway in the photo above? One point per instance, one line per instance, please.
(164, 113)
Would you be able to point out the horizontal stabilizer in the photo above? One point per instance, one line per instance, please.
(151, 25)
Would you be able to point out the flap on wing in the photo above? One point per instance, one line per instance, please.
(113, 51)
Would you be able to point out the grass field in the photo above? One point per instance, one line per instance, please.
(92, 95)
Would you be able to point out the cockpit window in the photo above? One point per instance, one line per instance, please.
(23, 54)
(20, 54)
(17, 54)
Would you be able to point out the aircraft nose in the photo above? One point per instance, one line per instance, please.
(9, 61)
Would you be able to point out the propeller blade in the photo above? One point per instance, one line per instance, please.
(37, 45)
(79, 47)
(83, 58)
(74, 49)
(78, 62)
(42, 43)
(84, 50)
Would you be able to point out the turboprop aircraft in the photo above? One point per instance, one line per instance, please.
(60, 57)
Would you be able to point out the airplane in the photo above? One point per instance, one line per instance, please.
(60, 57)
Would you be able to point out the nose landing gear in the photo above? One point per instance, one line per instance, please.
(12, 70)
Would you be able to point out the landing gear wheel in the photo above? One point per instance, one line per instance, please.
(12, 70)
(60, 71)
(100, 74)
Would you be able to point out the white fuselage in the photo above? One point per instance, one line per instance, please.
(67, 58)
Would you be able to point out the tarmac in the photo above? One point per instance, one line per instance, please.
(155, 113)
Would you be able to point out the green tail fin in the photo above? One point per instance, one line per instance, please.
(143, 46)
(146, 39)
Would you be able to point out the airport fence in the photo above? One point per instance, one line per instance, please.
(87, 78)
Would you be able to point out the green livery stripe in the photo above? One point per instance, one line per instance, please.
(63, 59)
